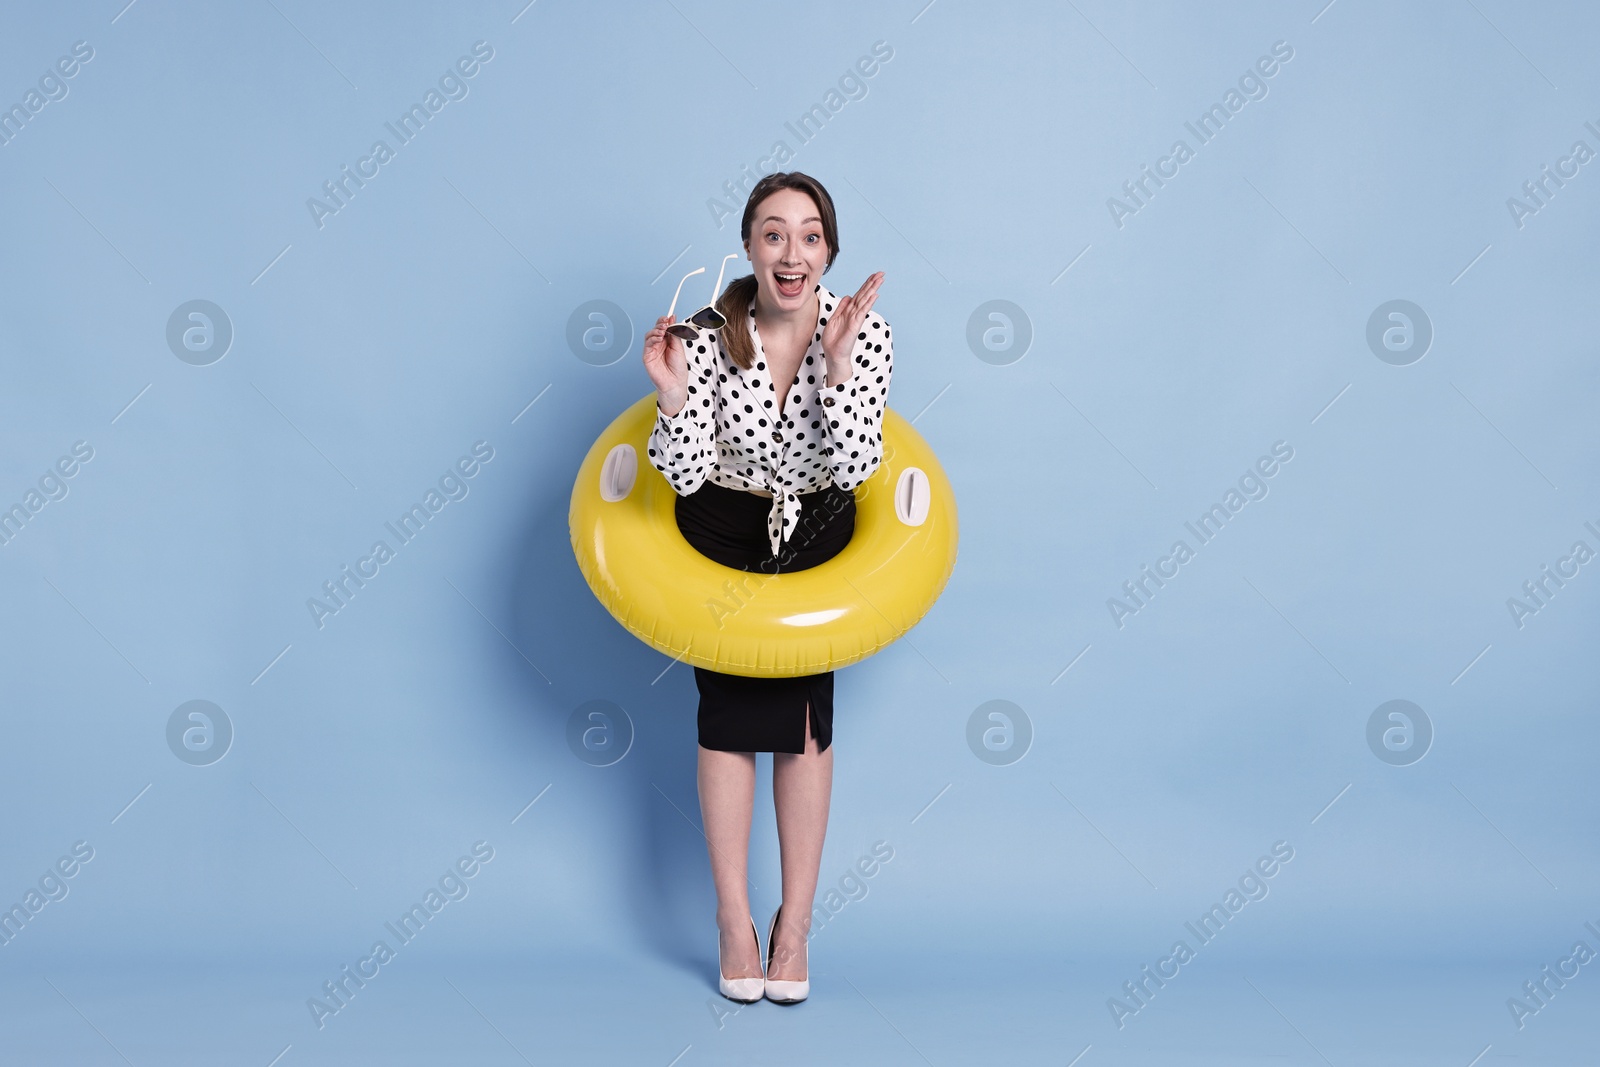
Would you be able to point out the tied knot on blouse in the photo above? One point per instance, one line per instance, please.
(731, 429)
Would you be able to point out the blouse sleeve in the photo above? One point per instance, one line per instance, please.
(855, 407)
(683, 446)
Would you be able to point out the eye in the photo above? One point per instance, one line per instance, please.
(813, 237)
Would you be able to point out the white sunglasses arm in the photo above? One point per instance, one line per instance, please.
(720, 271)
(686, 277)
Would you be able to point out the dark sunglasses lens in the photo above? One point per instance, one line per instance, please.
(679, 330)
(710, 318)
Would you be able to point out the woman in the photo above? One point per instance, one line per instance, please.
(764, 428)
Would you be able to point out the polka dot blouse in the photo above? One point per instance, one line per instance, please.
(730, 431)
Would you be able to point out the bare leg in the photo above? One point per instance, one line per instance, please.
(801, 784)
(727, 783)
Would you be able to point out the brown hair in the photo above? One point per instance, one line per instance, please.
(734, 303)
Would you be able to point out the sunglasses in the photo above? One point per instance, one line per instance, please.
(708, 317)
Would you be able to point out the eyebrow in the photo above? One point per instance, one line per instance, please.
(774, 218)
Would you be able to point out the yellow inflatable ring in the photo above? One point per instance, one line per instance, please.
(626, 538)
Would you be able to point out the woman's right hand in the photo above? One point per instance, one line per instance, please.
(668, 366)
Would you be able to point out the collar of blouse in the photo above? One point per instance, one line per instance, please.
(813, 347)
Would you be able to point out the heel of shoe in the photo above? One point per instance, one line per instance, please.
(744, 990)
(781, 991)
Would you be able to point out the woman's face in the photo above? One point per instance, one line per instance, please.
(785, 241)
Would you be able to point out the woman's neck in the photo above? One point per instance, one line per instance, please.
(786, 323)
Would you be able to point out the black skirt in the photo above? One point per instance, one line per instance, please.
(740, 714)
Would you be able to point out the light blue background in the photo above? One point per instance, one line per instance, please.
(369, 354)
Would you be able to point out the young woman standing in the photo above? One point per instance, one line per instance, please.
(765, 426)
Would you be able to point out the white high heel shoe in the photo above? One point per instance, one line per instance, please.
(745, 990)
(782, 991)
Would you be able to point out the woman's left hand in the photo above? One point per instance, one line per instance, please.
(840, 334)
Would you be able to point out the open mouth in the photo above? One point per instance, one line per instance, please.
(789, 284)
